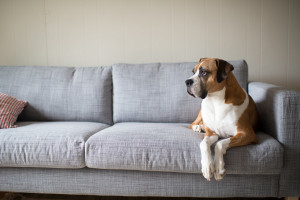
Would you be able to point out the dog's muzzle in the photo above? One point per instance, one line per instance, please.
(189, 83)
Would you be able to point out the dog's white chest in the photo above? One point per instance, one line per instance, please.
(220, 117)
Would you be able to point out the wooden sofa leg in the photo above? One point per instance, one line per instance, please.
(291, 198)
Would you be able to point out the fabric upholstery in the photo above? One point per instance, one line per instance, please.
(240, 72)
(132, 158)
(61, 93)
(134, 183)
(10, 108)
(46, 144)
(157, 93)
(279, 110)
(174, 148)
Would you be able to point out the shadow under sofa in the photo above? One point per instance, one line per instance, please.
(122, 130)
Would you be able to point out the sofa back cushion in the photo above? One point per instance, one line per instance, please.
(60, 93)
(157, 92)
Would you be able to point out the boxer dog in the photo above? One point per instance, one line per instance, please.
(227, 112)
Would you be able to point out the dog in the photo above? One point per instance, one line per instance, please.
(227, 112)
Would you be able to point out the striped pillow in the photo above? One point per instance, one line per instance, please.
(10, 108)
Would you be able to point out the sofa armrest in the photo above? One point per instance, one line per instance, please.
(279, 112)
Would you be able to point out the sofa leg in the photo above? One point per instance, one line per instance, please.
(291, 198)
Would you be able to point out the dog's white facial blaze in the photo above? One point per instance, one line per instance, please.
(198, 88)
(196, 84)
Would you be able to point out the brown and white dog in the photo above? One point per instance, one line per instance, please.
(227, 111)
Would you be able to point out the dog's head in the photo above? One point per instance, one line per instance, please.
(209, 76)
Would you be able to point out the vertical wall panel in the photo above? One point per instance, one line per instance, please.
(111, 32)
(7, 50)
(71, 32)
(233, 29)
(91, 33)
(21, 43)
(161, 27)
(36, 32)
(65, 32)
(195, 30)
(178, 45)
(53, 32)
(253, 42)
(274, 41)
(293, 70)
(29, 32)
(213, 24)
(101, 32)
(138, 31)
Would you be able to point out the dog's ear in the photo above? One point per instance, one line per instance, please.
(201, 59)
(223, 69)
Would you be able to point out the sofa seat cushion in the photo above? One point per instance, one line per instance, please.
(174, 148)
(46, 144)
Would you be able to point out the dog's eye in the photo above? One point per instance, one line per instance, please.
(203, 73)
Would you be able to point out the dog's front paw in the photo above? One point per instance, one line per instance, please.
(196, 128)
(219, 173)
(208, 169)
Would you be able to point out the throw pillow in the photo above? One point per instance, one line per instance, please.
(10, 108)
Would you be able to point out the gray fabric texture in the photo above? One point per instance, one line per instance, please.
(157, 93)
(134, 183)
(60, 93)
(46, 144)
(240, 72)
(174, 148)
(279, 110)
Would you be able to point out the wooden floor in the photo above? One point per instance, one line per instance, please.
(19, 196)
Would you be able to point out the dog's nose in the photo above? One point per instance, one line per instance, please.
(189, 82)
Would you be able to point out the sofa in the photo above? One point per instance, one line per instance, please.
(122, 130)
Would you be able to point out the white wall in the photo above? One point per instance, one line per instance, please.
(101, 32)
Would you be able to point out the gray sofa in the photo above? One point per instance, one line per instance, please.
(123, 130)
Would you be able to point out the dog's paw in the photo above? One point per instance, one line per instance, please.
(202, 128)
(208, 169)
(196, 128)
(219, 173)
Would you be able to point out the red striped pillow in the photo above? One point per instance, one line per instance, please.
(10, 108)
